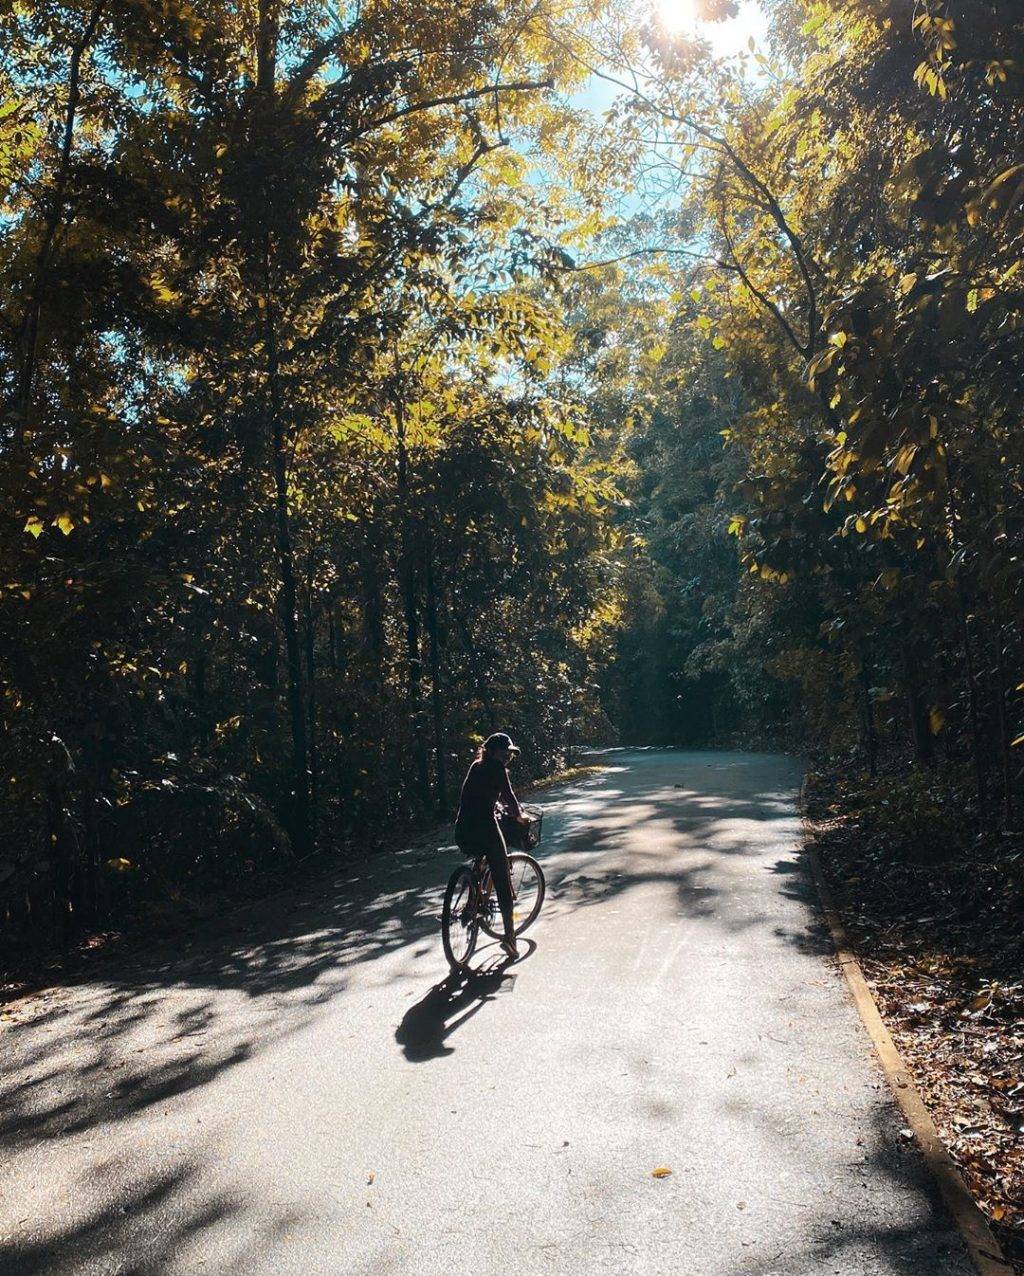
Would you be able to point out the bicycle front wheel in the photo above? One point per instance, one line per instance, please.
(528, 887)
(460, 922)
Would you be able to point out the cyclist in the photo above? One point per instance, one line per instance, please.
(476, 827)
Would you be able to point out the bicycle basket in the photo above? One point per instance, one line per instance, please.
(534, 818)
(522, 836)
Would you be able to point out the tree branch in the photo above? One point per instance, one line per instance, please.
(762, 297)
(653, 251)
(451, 99)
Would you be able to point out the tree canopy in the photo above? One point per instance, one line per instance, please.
(364, 391)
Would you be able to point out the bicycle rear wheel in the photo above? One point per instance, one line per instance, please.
(460, 922)
(528, 887)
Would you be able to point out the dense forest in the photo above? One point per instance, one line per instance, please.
(365, 389)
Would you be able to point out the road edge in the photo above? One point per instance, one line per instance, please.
(434, 833)
(972, 1224)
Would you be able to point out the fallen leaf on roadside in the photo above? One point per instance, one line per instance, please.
(662, 1172)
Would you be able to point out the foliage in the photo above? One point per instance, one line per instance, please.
(346, 418)
(851, 206)
(296, 503)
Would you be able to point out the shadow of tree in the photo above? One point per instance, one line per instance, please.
(169, 1210)
(898, 1242)
(154, 1029)
(118, 1045)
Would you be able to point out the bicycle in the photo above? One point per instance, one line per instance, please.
(470, 904)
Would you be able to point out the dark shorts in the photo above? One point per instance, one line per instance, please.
(480, 839)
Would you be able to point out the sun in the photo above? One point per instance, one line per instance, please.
(679, 17)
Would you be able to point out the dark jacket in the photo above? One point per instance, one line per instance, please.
(485, 784)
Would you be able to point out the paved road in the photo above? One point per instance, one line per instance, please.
(298, 1096)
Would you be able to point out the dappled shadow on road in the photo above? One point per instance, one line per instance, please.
(617, 838)
(140, 1032)
(427, 1026)
(868, 1221)
(149, 1226)
(145, 1031)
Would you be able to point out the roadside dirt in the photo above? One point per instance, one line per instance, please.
(936, 923)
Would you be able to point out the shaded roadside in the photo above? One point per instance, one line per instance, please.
(313, 1091)
(936, 925)
(214, 918)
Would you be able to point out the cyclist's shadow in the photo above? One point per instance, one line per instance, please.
(425, 1027)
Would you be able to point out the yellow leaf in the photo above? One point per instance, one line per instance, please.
(906, 283)
(662, 1172)
(998, 1214)
(1002, 179)
(860, 525)
(34, 526)
(936, 721)
(838, 339)
(119, 864)
(905, 458)
(65, 522)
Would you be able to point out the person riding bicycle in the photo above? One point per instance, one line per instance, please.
(477, 830)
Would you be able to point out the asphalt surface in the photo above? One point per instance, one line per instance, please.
(301, 1093)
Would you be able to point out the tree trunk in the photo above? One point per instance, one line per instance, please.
(28, 337)
(972, 699)
(302, 830)
(302, 822)
(474, 664)
(868, 720)
(1004, 732)
(436, 698)
(920, 729)
(407, 571)
(311, 705)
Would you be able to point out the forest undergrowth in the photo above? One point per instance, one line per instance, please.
(163, 918)
(933, 910)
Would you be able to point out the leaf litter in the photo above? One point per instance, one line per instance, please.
(939, 937)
